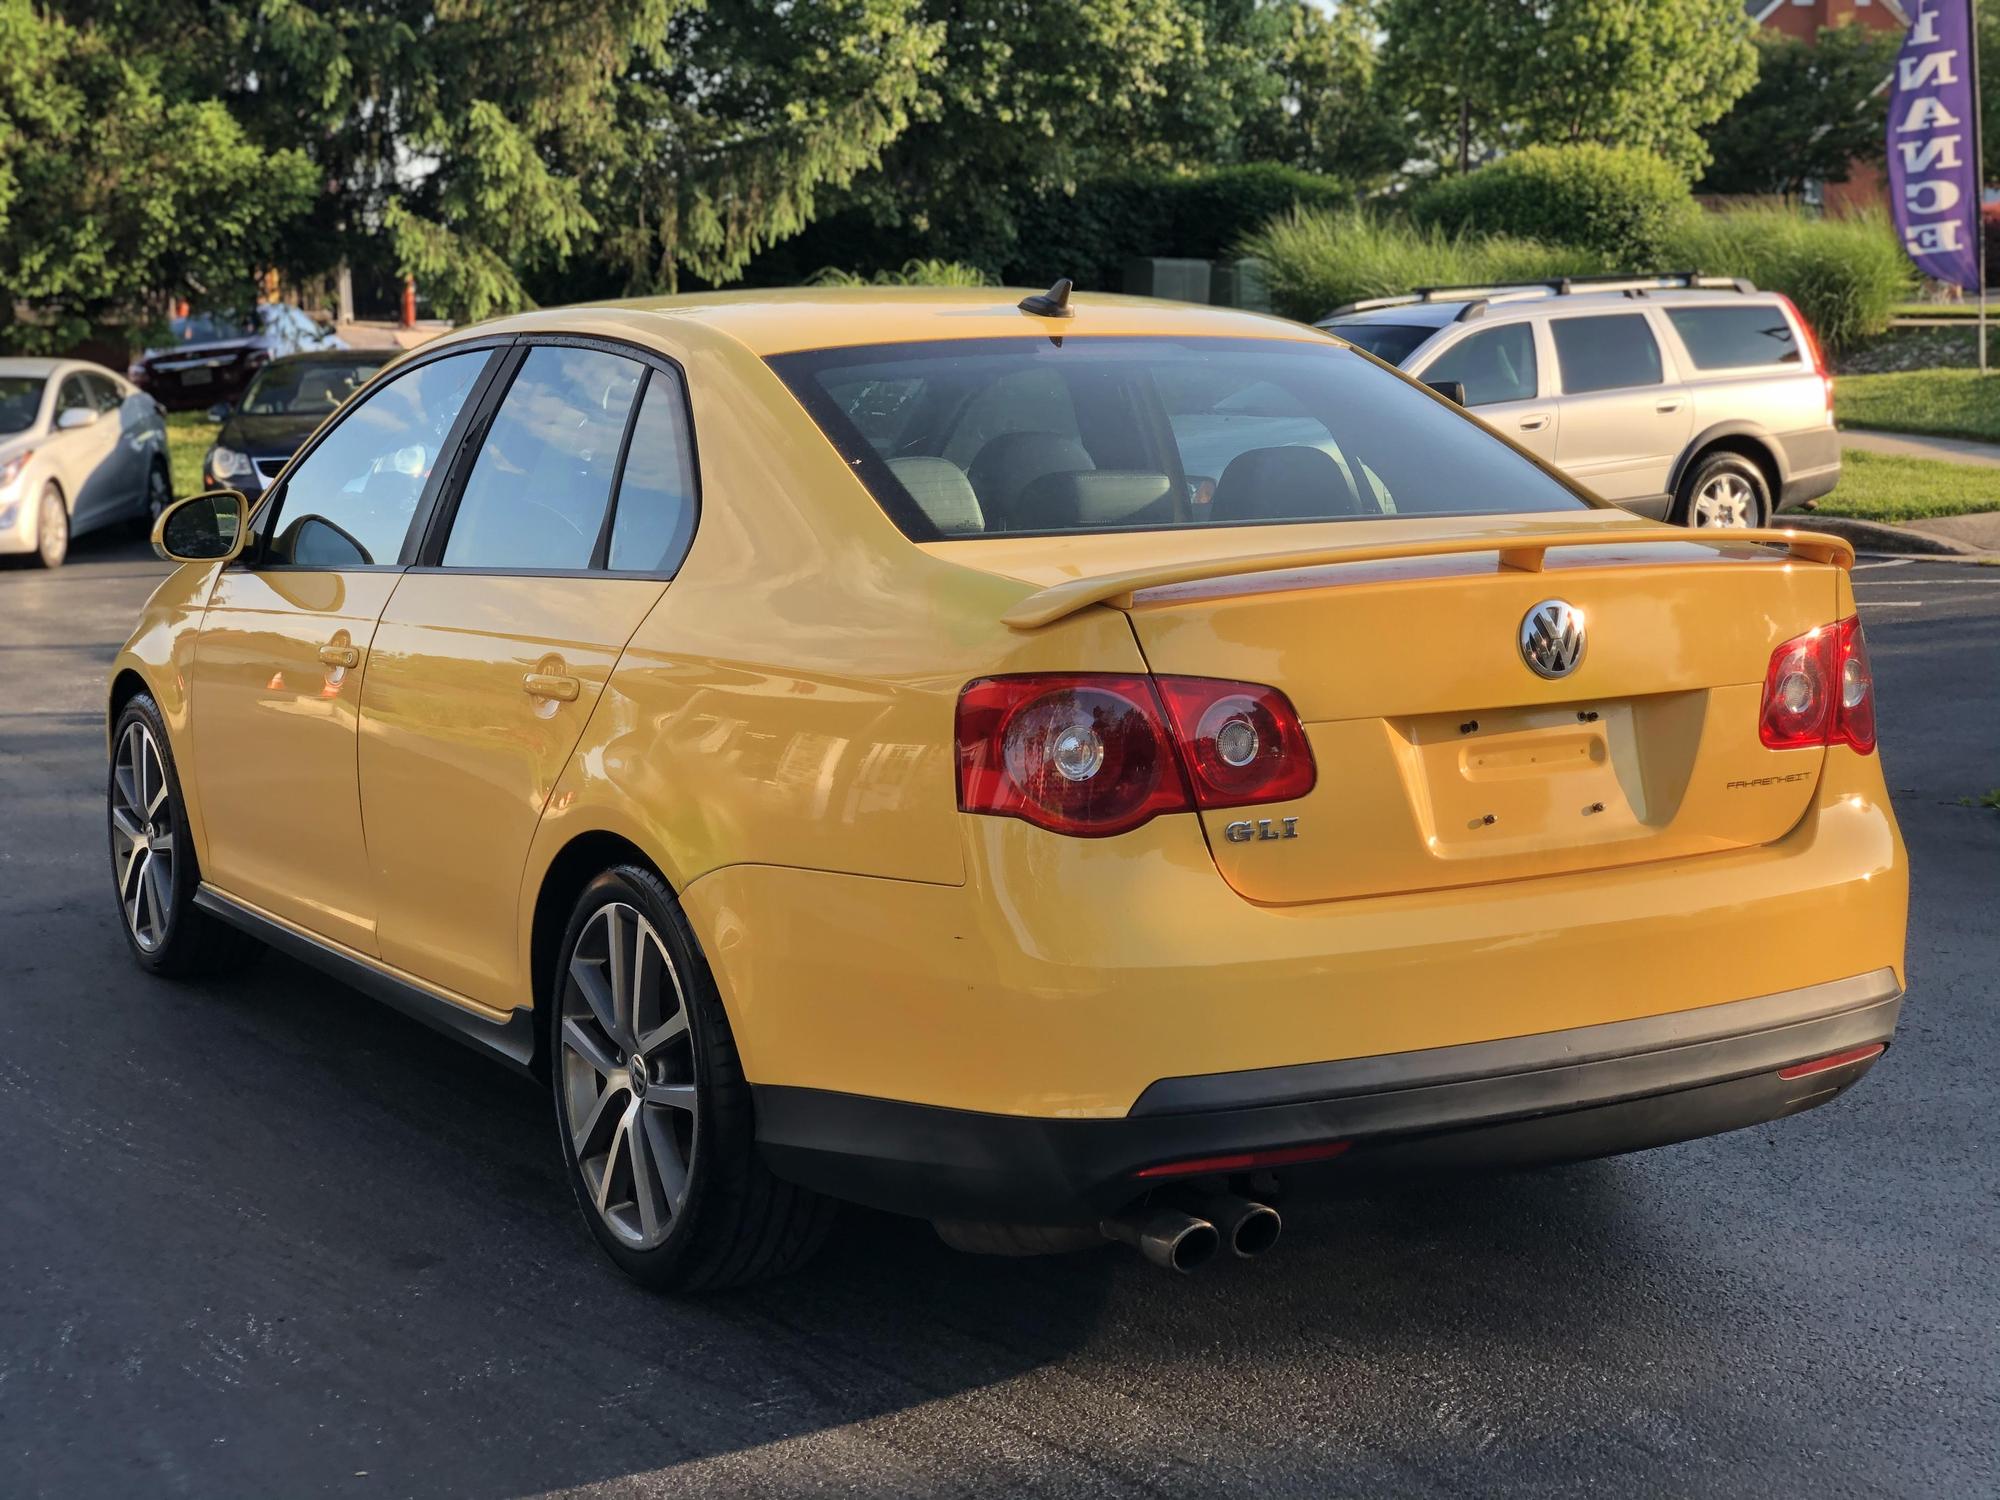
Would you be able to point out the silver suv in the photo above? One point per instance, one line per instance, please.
(1694, 397)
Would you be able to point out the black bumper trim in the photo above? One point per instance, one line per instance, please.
(1520, 1054)
(1558, 1096)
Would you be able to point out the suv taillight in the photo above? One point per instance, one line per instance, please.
(1819, 691)
(1091, 754)
(1812, 348)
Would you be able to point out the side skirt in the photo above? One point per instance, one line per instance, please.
(512, 1040)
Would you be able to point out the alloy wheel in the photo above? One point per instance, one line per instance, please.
(142, 837)
(52, 537)
(1726, 500)
(629, 1097)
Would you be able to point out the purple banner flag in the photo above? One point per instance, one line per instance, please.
(1933, 145)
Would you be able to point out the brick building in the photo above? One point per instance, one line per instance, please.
(1865, 185)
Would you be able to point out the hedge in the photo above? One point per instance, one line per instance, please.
(1617, 201)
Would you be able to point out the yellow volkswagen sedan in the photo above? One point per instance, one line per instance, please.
(1065, 768)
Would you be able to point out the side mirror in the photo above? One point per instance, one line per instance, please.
(1452, 390)
(203, 528)
(219, 413)
(72, 417)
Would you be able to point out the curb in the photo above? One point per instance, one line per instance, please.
(1879, 536)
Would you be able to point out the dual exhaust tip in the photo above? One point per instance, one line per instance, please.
(1177, 1240)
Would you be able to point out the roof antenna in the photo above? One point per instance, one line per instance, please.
(1054, 303)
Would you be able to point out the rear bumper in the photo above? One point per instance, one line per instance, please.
(1562, 1095)
(1812, 466)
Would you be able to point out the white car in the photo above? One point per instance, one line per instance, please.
(80, 448)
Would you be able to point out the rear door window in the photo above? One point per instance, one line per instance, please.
(1735, 338)
(1610, 353)
(655, 504)
(538, 492)
(1495, 364)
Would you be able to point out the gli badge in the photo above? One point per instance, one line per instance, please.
(1244, 830)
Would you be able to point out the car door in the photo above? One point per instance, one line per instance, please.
(124, 470)
(284, 652)
(1624, 417)
(575, 505)
(85, 455)
(1501, 370)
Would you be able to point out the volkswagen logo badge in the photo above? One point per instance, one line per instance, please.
(1552, 638)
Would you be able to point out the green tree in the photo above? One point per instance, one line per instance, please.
(1330, 117)
(113, 193)
(491, 145)
(1813, 112)
(1649, 74)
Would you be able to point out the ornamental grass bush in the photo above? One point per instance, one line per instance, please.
(1619, 202)
(1316, 259)
(1845, 274)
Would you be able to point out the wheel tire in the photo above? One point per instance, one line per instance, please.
(159, 495)
(1723, 491)
(154, 874)
(691, 1116)
(51, 528)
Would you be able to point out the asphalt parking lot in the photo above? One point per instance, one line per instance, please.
(265, 1237)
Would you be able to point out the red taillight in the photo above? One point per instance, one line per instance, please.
(1813, 349)
(1092, 754)
(1819, 691)
(1244, 744)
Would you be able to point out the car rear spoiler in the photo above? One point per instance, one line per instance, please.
(1524, 554)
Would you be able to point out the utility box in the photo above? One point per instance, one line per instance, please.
(1242, 283)
(1178, 280)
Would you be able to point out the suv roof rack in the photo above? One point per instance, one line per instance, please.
(1476, 297)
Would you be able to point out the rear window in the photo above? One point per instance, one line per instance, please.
(1733, 338)
(1606, 354)
(1031, 436)
(1392, 342)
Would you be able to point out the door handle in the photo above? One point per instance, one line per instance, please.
(1534, 424)
(552, 686)
(1668, 406)
(340, 656)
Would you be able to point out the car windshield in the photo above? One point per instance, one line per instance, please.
(20, 400)
(1026, 436)
(209, 328)
(1394, 342)
(307, 388)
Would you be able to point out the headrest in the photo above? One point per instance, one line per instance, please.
(1283, 484)
(1009, 463)
(942, 492)
(1093, 500)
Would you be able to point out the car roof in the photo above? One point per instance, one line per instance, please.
(377, 356)
(1521, 304)
(789, 319)
(41, 368)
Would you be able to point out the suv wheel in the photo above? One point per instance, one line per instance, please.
(1724, 490)
(652, 1109)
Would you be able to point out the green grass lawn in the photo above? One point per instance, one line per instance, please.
(1880, 487)
(1946, 403)
(189, 435)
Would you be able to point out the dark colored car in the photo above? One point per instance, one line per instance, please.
(285, 401)
(214, 354)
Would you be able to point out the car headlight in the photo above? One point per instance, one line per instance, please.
(11, 469)
(227, 463)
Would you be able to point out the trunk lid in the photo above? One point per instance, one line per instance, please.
(1444, 760)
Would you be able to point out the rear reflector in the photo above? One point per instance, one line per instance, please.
(1833, 1060)
(1247, 1161)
